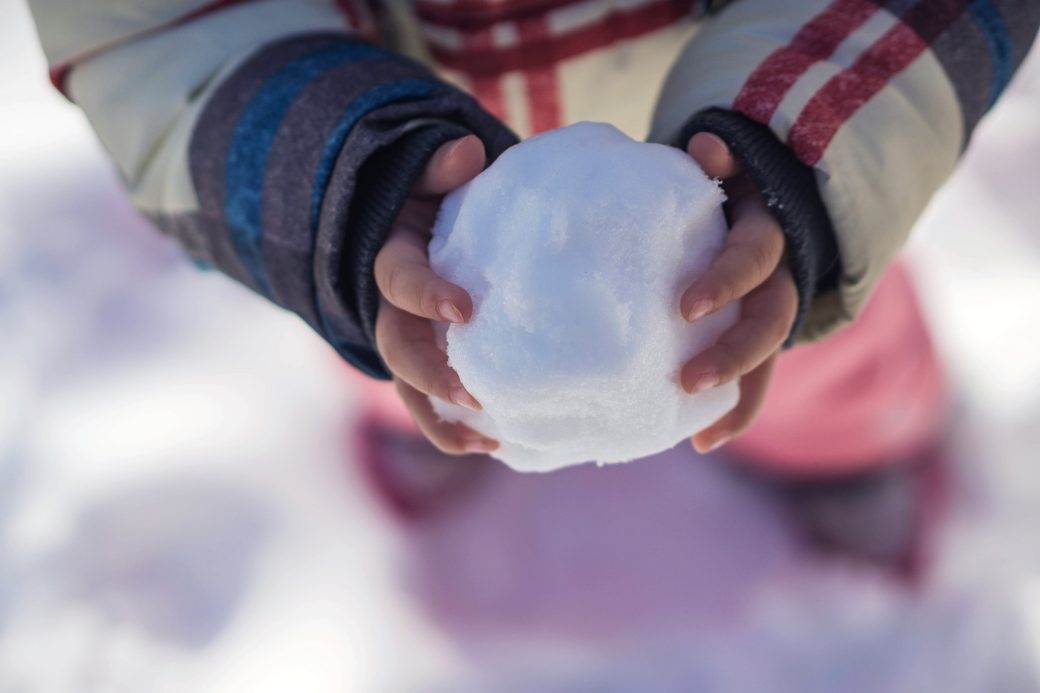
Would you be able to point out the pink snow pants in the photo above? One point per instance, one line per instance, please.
(869, 395)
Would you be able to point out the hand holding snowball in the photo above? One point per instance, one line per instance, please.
(411, 295)
(575, 247)
(750, 268)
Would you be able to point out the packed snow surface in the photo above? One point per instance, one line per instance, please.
(576, 246)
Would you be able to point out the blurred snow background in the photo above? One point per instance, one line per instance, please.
(179, 511)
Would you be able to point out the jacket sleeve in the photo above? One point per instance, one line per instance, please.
(266, 135)
(849, 115)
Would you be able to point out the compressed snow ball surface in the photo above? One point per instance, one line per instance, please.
(576, 246)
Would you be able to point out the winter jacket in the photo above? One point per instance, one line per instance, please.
(277, 139)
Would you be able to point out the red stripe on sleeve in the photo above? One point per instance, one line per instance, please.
(543, 98)
(541, 83)
(847, 91)
(475, 13)
(815, 41)
(486, 89)
(548, 49)
(350, 13)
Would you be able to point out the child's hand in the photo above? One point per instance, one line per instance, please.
(411, 295)
(751, 267)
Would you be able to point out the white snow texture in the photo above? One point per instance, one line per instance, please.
(576, 246)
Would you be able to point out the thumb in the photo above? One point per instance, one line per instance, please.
(713, 155)
(454, 163)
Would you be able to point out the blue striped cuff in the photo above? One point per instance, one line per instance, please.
(281, 149)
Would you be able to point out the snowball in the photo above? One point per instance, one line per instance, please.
(576, 246)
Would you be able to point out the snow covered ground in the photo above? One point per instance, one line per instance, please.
(178, 510)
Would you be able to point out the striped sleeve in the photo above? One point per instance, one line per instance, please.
(849, 115)
(276, 145)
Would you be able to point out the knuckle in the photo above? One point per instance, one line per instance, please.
(723, 360)
(433, 376)
(394, 279)
(730, 366)
(754, 332)
(713, 287)
(731, 341)
(414, 371)
(436, 383)
(760, 259)
(435, 364)
(447, 381)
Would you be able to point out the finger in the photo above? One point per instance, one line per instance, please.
(713, 155)
(453, 164)
(416, 219)
(753, 250)
(766, 318)
(753, 388)
(403, 275)
(449, 438)
(406, 343)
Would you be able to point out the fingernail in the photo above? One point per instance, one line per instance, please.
(449, 311)
(464, 399)
(477, 445)
(699, 310)
(704, 382)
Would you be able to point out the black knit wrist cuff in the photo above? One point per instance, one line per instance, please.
(384, 182)
(790, 191)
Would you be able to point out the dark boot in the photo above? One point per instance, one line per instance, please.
(886, 517)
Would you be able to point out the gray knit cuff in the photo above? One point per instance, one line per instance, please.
(789, 188)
